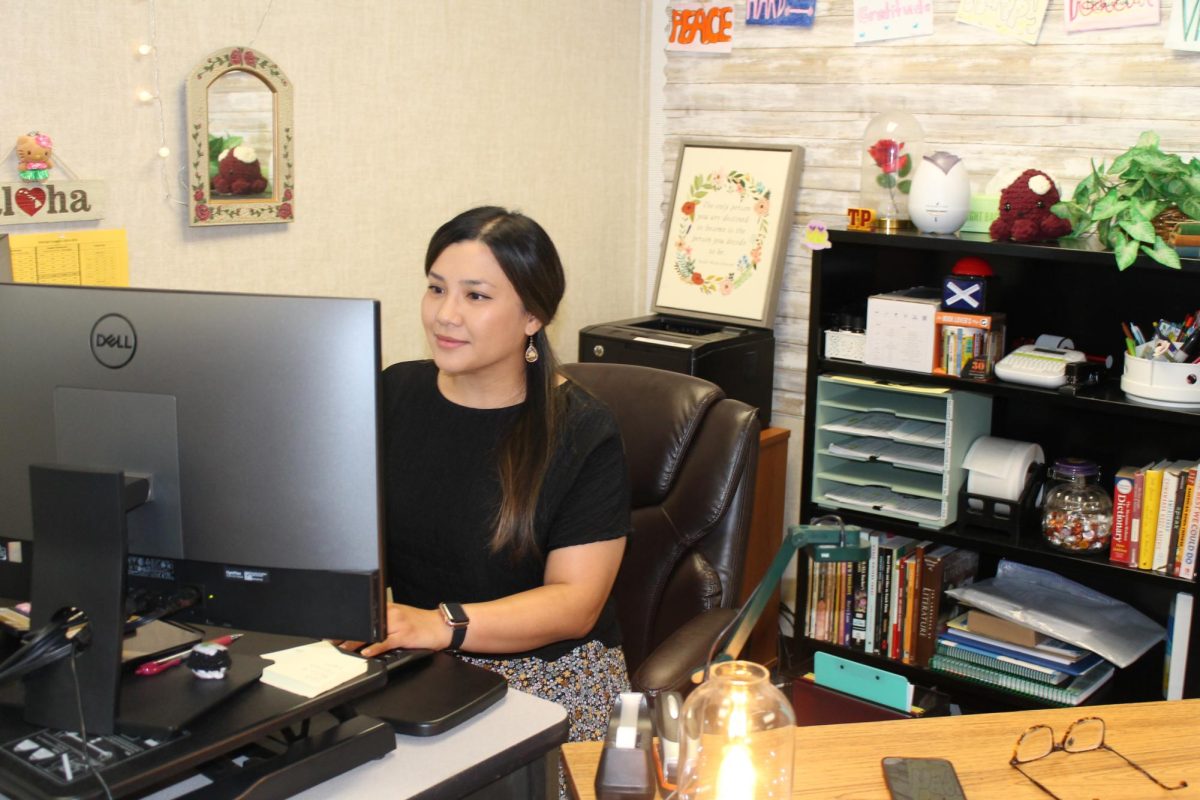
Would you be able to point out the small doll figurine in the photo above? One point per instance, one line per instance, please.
(33, 153)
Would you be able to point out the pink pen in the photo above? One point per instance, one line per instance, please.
(174, 660)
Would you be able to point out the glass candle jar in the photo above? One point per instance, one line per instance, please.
(1077, 512)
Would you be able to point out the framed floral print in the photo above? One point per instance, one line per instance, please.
(731, 214)
(240, 156)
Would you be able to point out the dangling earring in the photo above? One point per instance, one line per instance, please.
(531, 353)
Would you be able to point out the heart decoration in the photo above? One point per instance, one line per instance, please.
(31, 200)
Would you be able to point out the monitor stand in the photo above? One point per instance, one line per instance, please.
(80, 530)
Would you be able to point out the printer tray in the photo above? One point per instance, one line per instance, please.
(433, 695)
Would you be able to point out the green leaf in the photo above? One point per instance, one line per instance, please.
(905, 166)
(1139, 229)
(1191, 207)
(904, 186)
(1121, 163)
(1163, 253)
(1084, 188)
(1126, 253)
(1109, 206)
(1147, 139)
(885, 180)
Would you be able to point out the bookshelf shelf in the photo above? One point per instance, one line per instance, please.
(1071, 289)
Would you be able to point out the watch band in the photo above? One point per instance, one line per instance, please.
(456, 617)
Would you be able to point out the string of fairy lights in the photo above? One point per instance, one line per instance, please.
(152, 94)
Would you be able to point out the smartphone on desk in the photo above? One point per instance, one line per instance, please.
(921, 779)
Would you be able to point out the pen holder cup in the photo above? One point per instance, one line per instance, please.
(1161, 383)
(995, 515)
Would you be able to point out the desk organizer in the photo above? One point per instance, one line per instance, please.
(1161, 383)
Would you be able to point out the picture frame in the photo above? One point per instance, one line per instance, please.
(241, 167)
(724, 247)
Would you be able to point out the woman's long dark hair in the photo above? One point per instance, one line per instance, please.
(531, 263)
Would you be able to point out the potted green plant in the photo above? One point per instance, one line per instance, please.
(1124, 200)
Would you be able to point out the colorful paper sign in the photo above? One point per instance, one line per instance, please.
(1094, 15)
(701, 28)
(1183, 31)
(877, 20)
(781, 12)
(1021, 19)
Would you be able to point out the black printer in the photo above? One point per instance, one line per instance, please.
(739, 359)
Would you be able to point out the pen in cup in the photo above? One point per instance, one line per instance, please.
(175, 659)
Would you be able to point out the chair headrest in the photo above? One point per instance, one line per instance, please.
(658, 413)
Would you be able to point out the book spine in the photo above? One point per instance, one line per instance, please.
(1182, 515)
(884, 615)
(1179, 630)
(1188, 568)
(897, 611)
(858, 619)
(1166, 517)
(870, 633)
(1150, 499)
(1122, 515)
(932, 568)
(911, 589)
(1135, 519)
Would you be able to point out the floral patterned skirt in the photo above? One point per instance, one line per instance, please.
(585, 681)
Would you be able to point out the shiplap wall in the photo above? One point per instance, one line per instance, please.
(995, 102)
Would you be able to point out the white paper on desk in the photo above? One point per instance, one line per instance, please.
(311, 669)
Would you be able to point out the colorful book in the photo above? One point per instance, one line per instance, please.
(1151, 496)
(870, 634)
(1135, 522)
(944, 567)
(1122, 518)
(1167, 501)
(1071, 694)
(1187, 569)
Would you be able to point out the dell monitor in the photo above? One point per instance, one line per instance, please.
(252, 421)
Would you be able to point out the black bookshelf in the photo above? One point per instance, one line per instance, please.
(1072, 288)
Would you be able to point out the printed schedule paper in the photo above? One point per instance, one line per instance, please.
(77, 258)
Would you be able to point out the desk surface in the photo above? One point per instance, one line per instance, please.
(839, 762)
(502, 738)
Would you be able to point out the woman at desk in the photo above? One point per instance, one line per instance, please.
(506, 486)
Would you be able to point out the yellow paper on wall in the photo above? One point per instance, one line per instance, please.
(78, 258)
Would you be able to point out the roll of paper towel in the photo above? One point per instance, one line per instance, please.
(998, 467)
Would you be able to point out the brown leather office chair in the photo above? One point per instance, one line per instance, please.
(692, 455)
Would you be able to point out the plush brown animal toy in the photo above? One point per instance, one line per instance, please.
(1025, 210)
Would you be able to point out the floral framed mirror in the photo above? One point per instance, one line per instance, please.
(240, 161)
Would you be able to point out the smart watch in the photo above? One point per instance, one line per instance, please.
(456, 617)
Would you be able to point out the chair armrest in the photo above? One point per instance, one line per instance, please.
(670, 666)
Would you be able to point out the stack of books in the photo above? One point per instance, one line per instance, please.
(980, 648)
(1156, 518)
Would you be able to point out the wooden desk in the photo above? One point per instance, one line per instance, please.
(841, 762)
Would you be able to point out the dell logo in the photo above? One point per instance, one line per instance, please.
(114, 341)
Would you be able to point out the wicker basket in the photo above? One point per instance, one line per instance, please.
(1164, 223)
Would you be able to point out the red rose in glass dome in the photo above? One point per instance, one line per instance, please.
(887, 155)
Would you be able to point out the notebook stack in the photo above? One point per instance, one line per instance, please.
(1004, 655)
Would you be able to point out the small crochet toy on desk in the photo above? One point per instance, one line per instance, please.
(1025, 210)
(33, 155)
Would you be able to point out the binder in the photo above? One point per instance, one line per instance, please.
(863, 681)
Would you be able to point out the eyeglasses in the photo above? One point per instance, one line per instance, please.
(1084, 735)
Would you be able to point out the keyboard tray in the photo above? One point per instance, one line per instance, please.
(433, 695)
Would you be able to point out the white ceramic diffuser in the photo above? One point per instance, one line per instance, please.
(941, 194)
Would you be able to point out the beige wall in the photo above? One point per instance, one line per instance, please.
(994, 102)
(406, 113)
